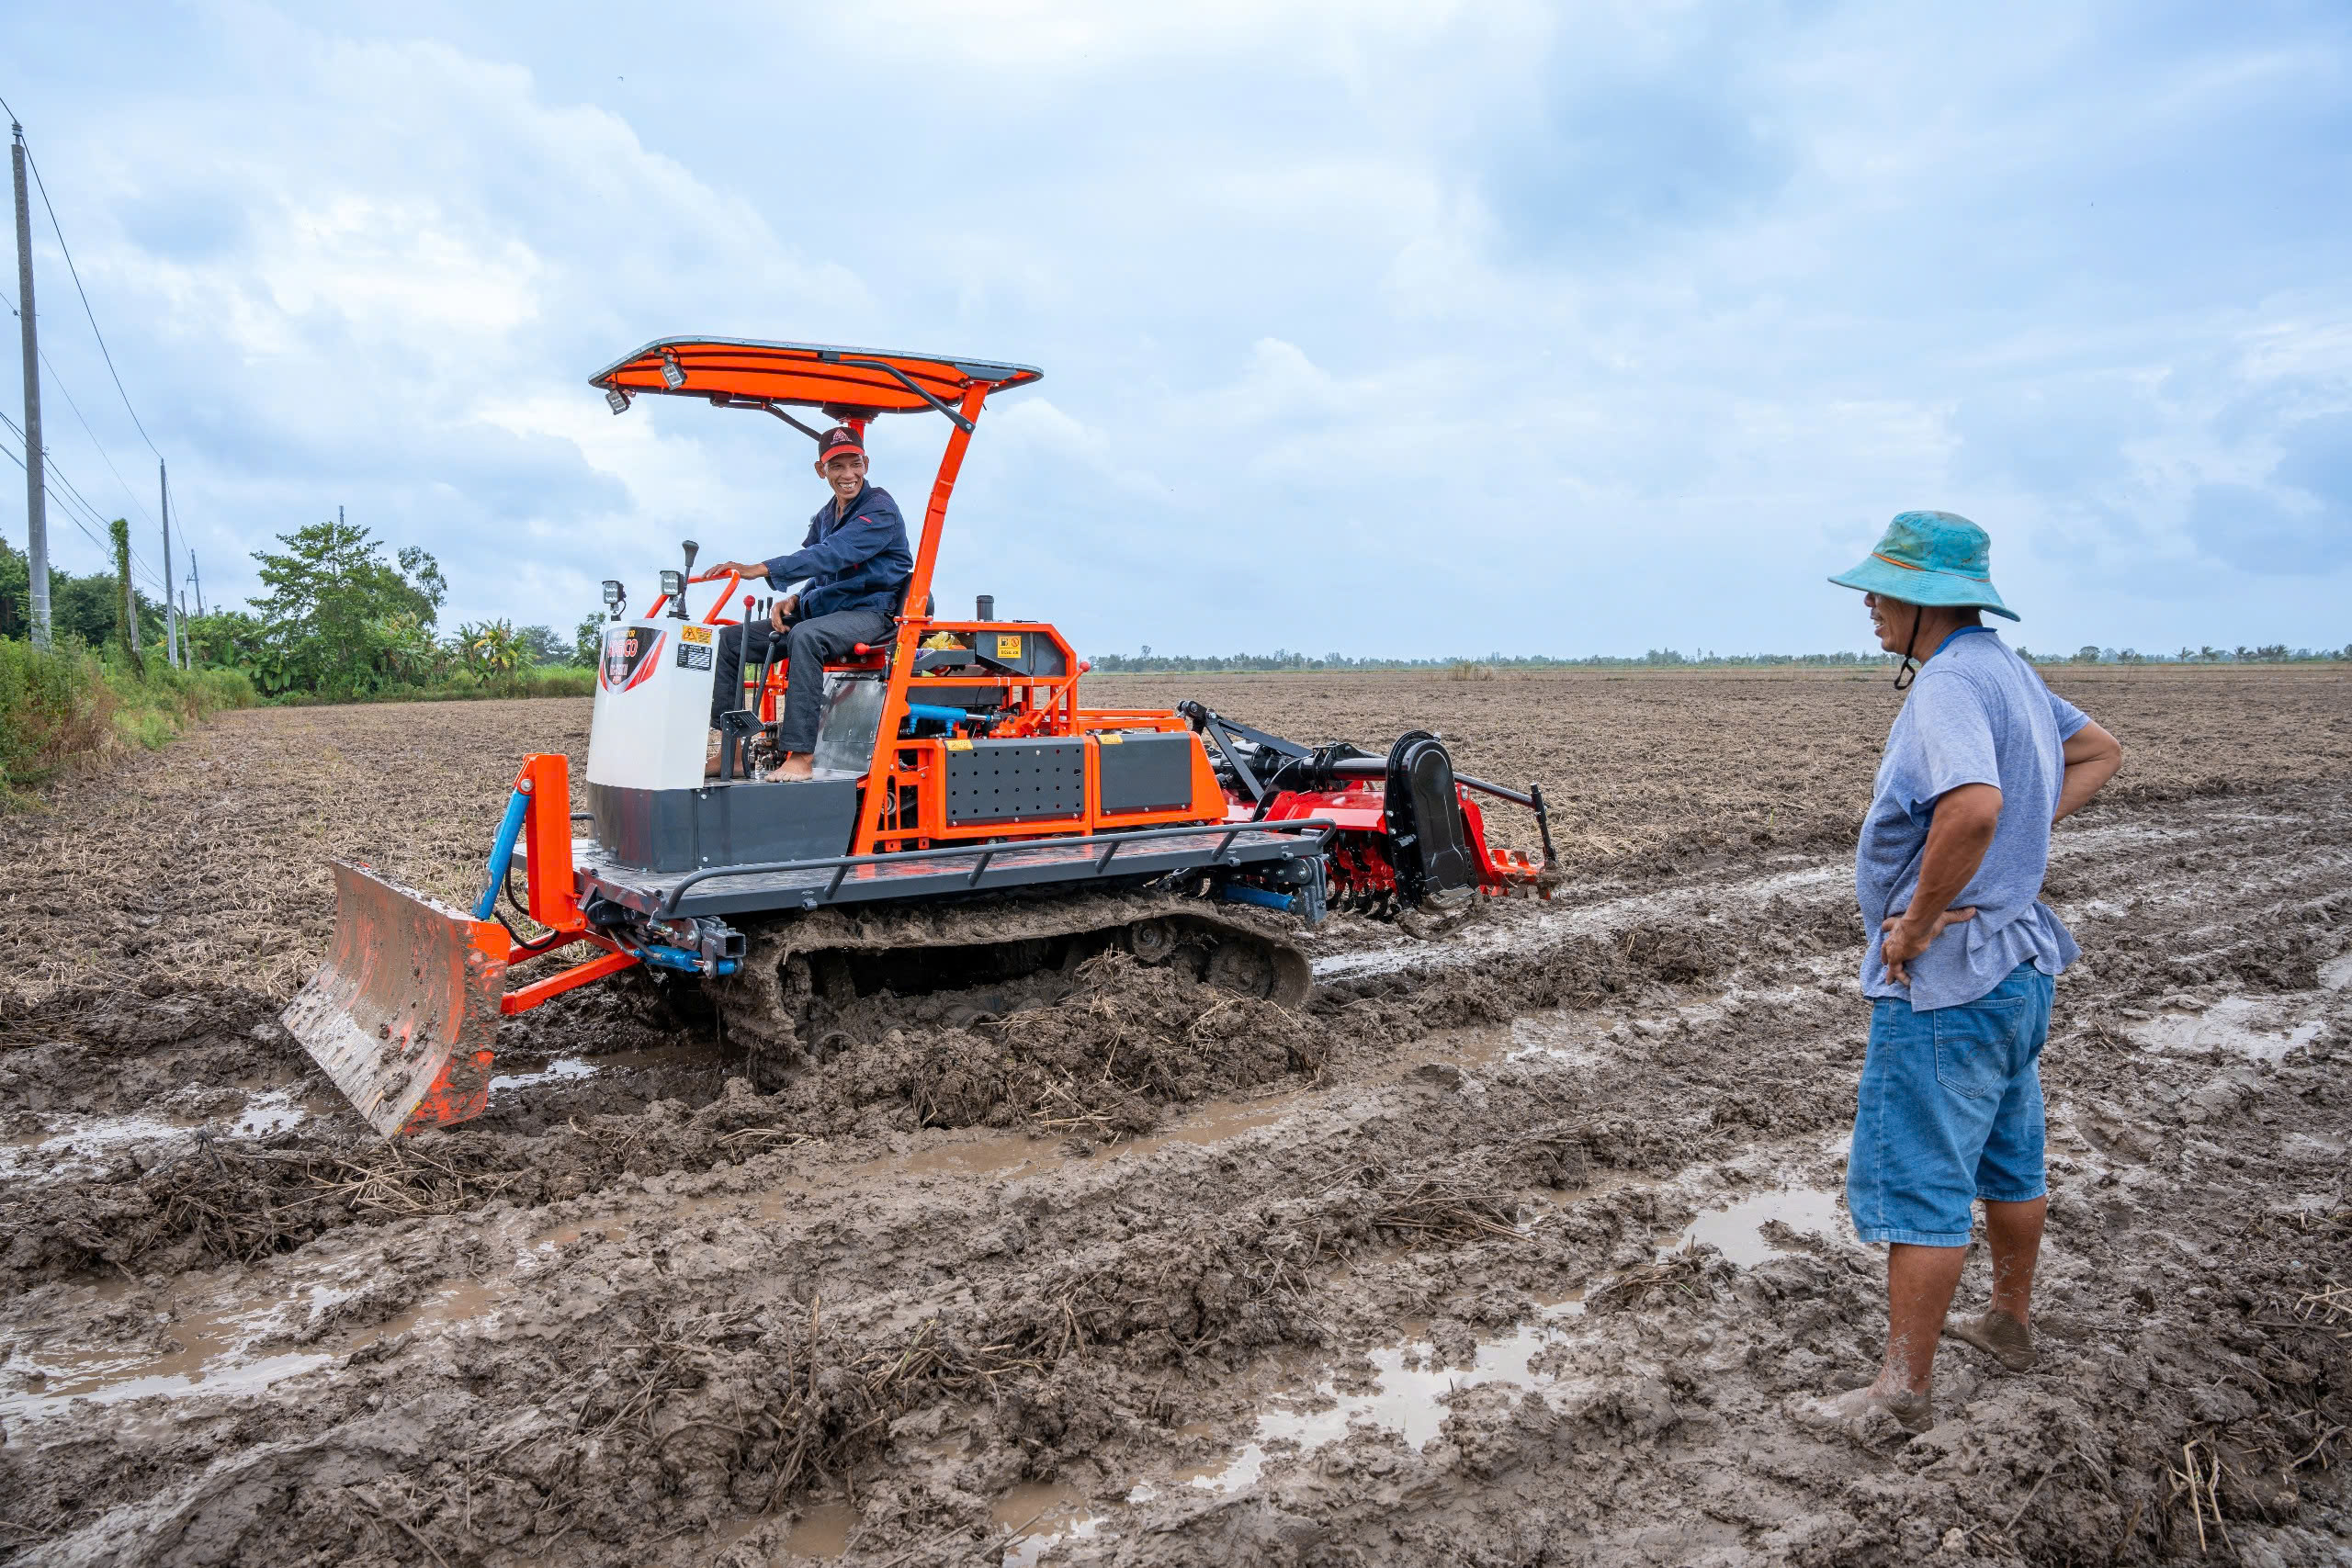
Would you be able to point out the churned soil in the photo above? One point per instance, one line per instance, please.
(1511, 1246)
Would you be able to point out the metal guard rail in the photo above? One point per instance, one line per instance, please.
(843, 865)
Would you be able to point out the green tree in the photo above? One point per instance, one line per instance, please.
(491, 648)
(540, 647)
(339, 616)
(227, 639)
(588, 642)
(15, 592)
(126, 597)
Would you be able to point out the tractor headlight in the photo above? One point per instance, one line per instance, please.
(613, 594)
(673, 584)
(673, 375)
(617, 398)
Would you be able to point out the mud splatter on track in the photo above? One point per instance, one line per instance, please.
(1507, 1248)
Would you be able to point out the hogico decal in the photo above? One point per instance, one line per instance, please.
(629, 654)
(694, 648)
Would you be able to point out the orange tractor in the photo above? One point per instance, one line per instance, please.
(968, 824)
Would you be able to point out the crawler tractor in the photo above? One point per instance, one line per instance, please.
(969, 825)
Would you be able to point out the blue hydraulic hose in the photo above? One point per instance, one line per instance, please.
(510, 827)
(938, 712)
(1234, 892)
(659, 956)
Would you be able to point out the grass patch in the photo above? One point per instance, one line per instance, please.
(66, 707)
(549, 681)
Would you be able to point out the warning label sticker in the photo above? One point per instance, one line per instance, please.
(694, 634)
(1008, 645)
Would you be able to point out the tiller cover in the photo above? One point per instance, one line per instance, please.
(404, 1012)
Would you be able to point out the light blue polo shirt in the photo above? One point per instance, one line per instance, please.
(1977, 714)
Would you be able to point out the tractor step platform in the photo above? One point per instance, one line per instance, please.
(940, 872)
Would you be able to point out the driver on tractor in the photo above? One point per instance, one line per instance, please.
(855, 564)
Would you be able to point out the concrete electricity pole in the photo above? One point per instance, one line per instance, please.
(36, 492)
(192, 577)
(171, 596)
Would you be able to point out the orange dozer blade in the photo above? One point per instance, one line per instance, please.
(404, 1012)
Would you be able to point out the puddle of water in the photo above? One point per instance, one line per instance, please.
(212, 1356)
(1409, 1398)
(210, 1359)
(822, 1531)
(2335, 974)
(236, 1377)
(272, 1112)
(67, 1141)
(1738, 1231)
(2234, 1023)
(1212, 1123)
(59, 1150)
(561, 1069)
(1042, 1515)
(565, 1069)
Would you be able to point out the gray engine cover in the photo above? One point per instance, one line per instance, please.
(724, 824)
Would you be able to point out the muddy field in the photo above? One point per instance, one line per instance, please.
(1510, 1247)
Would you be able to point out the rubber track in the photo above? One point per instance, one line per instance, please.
(767, 993)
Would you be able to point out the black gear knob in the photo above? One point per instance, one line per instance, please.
(691, 548)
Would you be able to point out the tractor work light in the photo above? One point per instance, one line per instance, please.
(673, 375)
(617, 398)
(613, 594)
(673, 584)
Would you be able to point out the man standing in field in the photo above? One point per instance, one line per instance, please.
(1961, 962)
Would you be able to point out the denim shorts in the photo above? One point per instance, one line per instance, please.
(1950, 1111)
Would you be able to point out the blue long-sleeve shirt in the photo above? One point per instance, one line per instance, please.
(854, 561)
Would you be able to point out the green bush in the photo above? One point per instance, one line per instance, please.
(68, 706)
(55, 707)
(552, 681)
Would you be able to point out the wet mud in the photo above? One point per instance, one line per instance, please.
(1507, 1246)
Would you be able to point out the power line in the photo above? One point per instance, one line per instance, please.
(75, 274)
(103, 455)
(50, 462)
(71, 494)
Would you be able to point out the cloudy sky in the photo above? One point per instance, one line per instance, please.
(1378, 326)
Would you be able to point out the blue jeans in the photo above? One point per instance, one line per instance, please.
(1950, 1112)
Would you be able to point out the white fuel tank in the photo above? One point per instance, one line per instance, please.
(653, 719)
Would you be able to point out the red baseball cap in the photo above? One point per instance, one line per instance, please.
(837, 441)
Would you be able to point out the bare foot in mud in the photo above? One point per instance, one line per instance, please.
(1865, 1415)
(1997, 1334)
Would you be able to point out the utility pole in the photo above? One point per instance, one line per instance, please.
(192, 577)
(35, 491)
(171, 595)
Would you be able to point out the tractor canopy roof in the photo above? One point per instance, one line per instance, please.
(846, 383)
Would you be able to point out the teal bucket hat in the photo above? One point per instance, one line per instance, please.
(1931, 558)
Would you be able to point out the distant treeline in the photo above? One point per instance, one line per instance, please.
(1148, 662)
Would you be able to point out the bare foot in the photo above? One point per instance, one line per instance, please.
(1997, 1334)
(796, 767)
(1866, 1415)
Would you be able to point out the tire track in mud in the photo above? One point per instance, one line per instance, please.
(939, 1330)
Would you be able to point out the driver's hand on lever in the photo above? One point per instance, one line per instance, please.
(781, 615)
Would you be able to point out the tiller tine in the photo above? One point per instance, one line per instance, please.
(403, 1013)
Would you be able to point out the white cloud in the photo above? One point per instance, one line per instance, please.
(1347, 311)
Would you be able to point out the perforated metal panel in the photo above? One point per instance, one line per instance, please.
(1147, 772)
(1016, 781)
